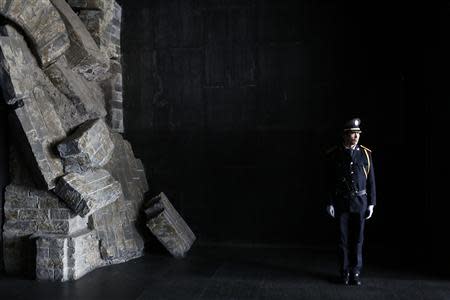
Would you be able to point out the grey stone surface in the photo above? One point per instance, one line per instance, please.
(115, 224)
(168, 226)
(119, 239)
(88, 192)
(104, 25)
(125, 168)
(42, 24)
(112, 89)
(20, 74)
(67, 257)
(31, 211)
(38, 117)
(89, 4)
(89, 147)
(86, 96)
(84, 56)
(93, 221)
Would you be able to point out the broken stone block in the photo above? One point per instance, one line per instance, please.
(42, 24)
(104, 25)
(84, 56)
(124, 168)
(20, 74)
(89, 147)
(119, 239)
(89, 4)
(67, 257)
(88, 192)
(37, 116)
(112, 88)
(168, 226)
(30, 211)
(86, 96)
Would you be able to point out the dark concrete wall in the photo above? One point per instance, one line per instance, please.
(231, 104)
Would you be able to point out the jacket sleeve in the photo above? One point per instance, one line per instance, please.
(370, 186)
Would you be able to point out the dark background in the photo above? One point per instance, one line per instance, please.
(231, 104)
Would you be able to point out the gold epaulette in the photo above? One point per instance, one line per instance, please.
(366, 148)
(331, 150)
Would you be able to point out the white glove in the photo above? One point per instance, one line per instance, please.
(370, 210)
(330, 210)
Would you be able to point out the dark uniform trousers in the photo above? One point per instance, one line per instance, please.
(351, 183)
(351, 237)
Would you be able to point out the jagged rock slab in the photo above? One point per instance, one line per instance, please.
(22, 75)
(88, 192)
(112, 89)
(89, 4)
(84, 56)
(104, 25)
(125, 168)
(89, 147)
(119, 239)
(37, 116)
(168, 226)
(67, 257)
(86, 96)
(30, 211)
(42, 24)
(115, 224)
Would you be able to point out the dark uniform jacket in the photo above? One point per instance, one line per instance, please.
(350, 179)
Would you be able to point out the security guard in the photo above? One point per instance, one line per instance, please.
(351, 184)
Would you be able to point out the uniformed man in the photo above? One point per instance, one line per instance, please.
(351, 184)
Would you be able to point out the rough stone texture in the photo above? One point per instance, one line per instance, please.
(42, 24)
(30, 211)
(112, 89)
(115, 224)
(89, 4)
(88, 192)
(84, 56)
(94, 224)
(86, 96)
(67, 257)
(128, 170)
(38, 118)
(119, 239)
(89, 147)
(104, 26)
(20, 74)
(168, 226)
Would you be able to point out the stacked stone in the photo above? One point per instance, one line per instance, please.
(168, 226)
(103, 20)
(89, 147)
(122, 239)
(43, 25)
(88, 192)
(114, 97)
(62, 257)
(83, 54)
(30, 211)
(80, 212)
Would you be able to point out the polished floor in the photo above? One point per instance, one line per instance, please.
(211, 272)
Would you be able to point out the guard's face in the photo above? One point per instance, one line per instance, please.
(351, 138)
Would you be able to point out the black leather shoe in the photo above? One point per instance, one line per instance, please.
(345, 278)
(356, 279)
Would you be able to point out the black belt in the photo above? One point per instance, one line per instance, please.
(358, 193)
(354, 194)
